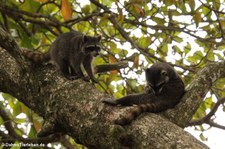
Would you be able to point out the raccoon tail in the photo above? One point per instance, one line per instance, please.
(136, 111)
(35, 57)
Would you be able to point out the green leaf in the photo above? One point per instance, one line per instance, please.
(159, 21)
(187, 48)
(19, 120)
(108, 3)
(201, 112)
(208, 103)
(82, 26)
(196, 57)
(164, 48)
(118, 95)
(30, 6)
(120, 88)
(192, 4)
(216, 4)
(16, 145)
(176, 49)
(123, 53)
(104, 20)
(17, 108)
(197, 18)
(86, 9)
(202, 137)
(178, 39)
(32, 133)
(211, 56)
(1, 121)
(144, 42)
(169, 2)
(132, 82)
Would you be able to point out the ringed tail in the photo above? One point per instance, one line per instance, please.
(36, 57)
(136, 111)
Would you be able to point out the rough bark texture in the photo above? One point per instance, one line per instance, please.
(196, 92)
(76, 108)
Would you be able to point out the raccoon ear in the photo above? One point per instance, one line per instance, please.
(164, 73)
(99, 37)
(85, 38)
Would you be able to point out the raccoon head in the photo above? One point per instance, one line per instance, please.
(91, 45)
(158, 75)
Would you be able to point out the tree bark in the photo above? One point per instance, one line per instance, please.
(75, 108)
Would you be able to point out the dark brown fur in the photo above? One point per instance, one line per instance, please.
(69, 52)
(164, 91)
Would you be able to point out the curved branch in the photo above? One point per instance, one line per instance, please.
(207, 118)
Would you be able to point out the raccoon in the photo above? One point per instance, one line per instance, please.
(69, 52)
(164, 90)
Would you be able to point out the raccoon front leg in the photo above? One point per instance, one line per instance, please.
(149, 89)
(87, 63)
(65, 69)
(76, 69)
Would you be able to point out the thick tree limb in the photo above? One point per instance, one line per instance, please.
(75, 107)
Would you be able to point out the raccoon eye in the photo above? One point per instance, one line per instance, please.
(163, 73)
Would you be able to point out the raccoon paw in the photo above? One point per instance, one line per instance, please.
(111, 102)
(87, 79)
(149, 90)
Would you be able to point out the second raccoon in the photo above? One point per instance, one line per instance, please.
(69, 52)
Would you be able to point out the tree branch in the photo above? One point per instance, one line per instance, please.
(207, 118)
(213, 124)
(110, 67)
(9, 44)
(75, 108)
(196, 91)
